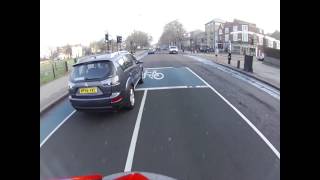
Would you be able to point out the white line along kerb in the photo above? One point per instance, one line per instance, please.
(135, 135)
(159, 68)
(241, 115)
(55, 129)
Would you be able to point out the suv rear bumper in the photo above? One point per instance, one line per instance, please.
(97, 103)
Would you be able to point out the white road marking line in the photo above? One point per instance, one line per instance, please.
(135, 135)
(241, 115)
(170, 87)
(55, 129)
(158, 88)
(256, 83)
(159, 68)
(201, 86)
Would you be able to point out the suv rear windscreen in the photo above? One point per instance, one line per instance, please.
(92, 71)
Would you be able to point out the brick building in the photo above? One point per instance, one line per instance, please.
(211, 32)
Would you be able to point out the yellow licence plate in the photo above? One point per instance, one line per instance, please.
(88, 90)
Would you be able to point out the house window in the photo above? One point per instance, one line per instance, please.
(245, 37)
(245, 28)
(270, 44)
(235, 37)
(260, 40)
(235, 28)
(226, 38)
(226, 30)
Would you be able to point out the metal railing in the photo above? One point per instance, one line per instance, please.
(50, 70)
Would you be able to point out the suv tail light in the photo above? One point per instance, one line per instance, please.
(116, 99)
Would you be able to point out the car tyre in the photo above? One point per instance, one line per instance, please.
(130, 101)
(141, 78)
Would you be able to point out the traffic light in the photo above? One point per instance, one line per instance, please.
(119, 39)
(106, 37)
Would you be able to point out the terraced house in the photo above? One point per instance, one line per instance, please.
(238, 36)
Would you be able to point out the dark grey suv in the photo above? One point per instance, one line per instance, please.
(105, 81)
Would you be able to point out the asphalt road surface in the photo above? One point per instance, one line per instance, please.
(191, 121)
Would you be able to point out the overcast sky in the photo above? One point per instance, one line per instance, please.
(83, 21)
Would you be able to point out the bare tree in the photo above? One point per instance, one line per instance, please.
(67, 50)
(197, 37)
(53, 53)
(173, 34)
(137, 38)
(98, 46)
(87, 50)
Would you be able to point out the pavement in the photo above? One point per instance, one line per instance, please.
(52, 92)
(263, 71)
(191, 121)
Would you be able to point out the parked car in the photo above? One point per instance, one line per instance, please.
(173, 50)
(105, 81)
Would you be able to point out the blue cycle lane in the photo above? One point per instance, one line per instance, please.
(169, 77)
(52, 118)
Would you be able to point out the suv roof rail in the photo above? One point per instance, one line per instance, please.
(107, 55)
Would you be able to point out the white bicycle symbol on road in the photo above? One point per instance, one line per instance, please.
(153, 75)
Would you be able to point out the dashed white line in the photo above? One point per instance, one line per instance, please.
(55, 129)
(241, 115)
(135, 135)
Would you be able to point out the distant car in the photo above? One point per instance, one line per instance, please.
(203, 49)
(173, 50)
(151, 51)
(105, 81)
(260, 57)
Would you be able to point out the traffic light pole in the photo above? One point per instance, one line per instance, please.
(119, 40)
(106, 38)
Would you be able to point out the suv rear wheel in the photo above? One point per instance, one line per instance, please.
(130, 101)
(141, 78)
